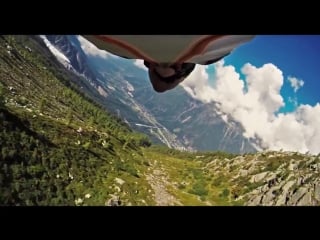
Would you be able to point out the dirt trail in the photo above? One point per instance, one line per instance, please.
(158, 181)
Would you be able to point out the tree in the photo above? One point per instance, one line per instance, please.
(69, 117)
(1, 97)
(42, 105)
(91, 121)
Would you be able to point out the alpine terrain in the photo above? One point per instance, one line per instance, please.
(78, 130)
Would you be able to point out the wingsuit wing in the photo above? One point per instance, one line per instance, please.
(170, 49)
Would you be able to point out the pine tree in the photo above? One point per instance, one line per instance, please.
(42, 105)
(69, 117)
(91, 121)
(1, 97)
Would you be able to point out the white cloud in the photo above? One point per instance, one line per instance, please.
(293, 100)
(92, 50)
(295, 83)
(256, 107)
(139, 63)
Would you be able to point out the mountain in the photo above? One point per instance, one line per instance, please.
(59, 147)
(75, 58)
(186, 124)
(109, 87)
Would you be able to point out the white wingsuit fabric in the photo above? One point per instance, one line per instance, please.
(170, 49)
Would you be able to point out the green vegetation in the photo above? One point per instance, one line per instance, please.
(57, 145)
(1, 96)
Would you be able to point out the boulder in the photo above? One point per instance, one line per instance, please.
(255, 201)
(317, 191)
(119, 181)
(288, 185)
(114, 201)
(306, 200)
(297, 195)
(258, 177)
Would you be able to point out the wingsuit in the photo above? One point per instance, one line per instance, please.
(170, 58)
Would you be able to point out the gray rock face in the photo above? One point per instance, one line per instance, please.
(255, 201)
(293, 166)
(268, 198)
(258, 177)
(282, 199)
(288, 185)
(317, 191)
(298, 194)
(244, 173)
(305, 200)
(292, 183)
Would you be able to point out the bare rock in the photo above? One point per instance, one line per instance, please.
(306, 200)
(297, 195)
(119, 181)
(114, 201)
(317, 191)
(258, 177)
(255, 201)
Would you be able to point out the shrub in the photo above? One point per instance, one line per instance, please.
(199, 188)
(225, 193)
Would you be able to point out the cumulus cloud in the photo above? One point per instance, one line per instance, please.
(92, 50)
(256, 106)
(197, 84)
(139, 63)
(295, 83)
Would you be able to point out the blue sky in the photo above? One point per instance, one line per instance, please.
(295, 55)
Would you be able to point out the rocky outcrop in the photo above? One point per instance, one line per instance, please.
(272, 178)
(291, 182)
